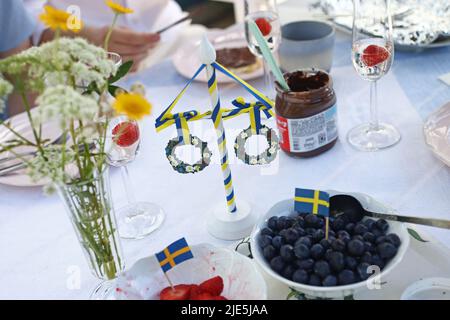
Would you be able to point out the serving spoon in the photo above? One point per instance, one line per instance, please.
(350, 206)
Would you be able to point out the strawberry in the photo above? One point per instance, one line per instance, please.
(264, 26)
(179, 292)
(195, 291)
(373, 55)
(213, 286)
(205, 296)
(125, 134)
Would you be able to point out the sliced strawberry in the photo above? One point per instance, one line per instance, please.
(195, 291)
(264, 26)
(220, 298)
(373, 55)
(205, 296)
(214, 286)
(179, 292)
(125, 134)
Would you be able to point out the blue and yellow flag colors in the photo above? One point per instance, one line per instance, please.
(312, 201)
(174, 254)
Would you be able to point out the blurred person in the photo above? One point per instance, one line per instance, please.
(134, 35)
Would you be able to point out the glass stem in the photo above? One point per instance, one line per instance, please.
(127, 185)
(268, 81)
(373, 106)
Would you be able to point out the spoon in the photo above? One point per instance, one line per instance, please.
(349, 206)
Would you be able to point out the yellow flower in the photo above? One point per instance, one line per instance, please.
(117, 8)
(133, 105)
(60, 20)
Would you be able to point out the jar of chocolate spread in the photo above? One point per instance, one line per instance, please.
(306, 115)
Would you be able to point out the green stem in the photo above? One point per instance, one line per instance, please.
(30, 119)
(110, 30)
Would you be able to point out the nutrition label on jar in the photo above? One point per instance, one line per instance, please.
(307, 134)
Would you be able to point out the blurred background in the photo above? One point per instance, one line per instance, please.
(220, 13)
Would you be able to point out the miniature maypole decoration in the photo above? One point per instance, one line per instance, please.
(208, 57)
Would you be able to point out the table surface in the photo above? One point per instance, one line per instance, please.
(40, 256)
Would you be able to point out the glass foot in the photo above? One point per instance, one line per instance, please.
(103, 291)
(139, 219)
(365, 138)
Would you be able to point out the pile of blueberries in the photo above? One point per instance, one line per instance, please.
(296, 248)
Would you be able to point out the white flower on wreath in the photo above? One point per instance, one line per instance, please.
(263, 161)
(272, 150)
(264, 130)
(236, 146)
(253, 160)
(206, 155)
(189, 169)
(244, 135)
(195, 141)
(274, 144)
(171, 158)
(174, 163)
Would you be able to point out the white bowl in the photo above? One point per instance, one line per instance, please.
(286, 207)
(242, 281)
(428, 289)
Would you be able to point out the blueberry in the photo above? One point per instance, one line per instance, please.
(358, 237)
(366, 257)
(267, 231)
(304, 240)
(346, 277)
(362, 270)
(264, 240)
(350, 263)
(322, 268)
(338, 224)
(382, 225)
(370, 224)
(394, 239)
(317, 251)
(376, 260)
(369, 247)
(360, 228)
(331, 233)
(369, 236)
(318, 235)
(289, 222)
(338, 245)
(277, 264)
(283, 233)
(355, 248)
(301, 251)
(349, 227)
(325, 243)
(272, 223)
(299, 221)
(288, 271)
(314, 280)
(380, 239)
(291, 235)
(336, 260)
(386, 250)
(320, 223)
(269, 252)
(300, 276)
(311, 220)
(329, 281)
(377, 233)
(277, 242)
(343, 235)
(306, 264)
(328, 254)
(281, 223)
(287, 252)
(310, 231)
(300, 231)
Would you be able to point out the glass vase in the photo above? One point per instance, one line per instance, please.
(89, 205)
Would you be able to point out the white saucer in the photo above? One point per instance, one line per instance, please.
(437, 133)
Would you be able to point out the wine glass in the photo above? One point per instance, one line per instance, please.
(136, 219)
(372, 56)
(265, 15)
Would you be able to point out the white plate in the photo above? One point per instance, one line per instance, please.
(437, 133)
(286, 207)
(145, 279)
(187, 62)
(21, 124)
(428, 289)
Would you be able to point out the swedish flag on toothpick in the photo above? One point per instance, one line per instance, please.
(174, 254)
(312, 201)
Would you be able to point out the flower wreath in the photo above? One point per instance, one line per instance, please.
(183, 167)
(267, 155)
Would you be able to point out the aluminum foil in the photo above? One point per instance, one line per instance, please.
(416, 22)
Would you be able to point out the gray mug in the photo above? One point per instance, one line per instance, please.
(306, 44)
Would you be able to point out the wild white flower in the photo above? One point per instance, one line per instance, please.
(253, 160)
(64, 104)
(5, 90)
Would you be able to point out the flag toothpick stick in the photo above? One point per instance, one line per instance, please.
(208, 56)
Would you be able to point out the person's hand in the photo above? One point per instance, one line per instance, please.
(131, 45)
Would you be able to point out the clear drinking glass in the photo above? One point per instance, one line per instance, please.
(372, 56)
(265, 14)
(137, 219)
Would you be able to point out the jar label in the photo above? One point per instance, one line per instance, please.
(307, 134)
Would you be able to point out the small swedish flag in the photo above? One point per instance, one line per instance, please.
(312, 201)
(174, 254)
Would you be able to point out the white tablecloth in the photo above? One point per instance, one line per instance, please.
(40, 256)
